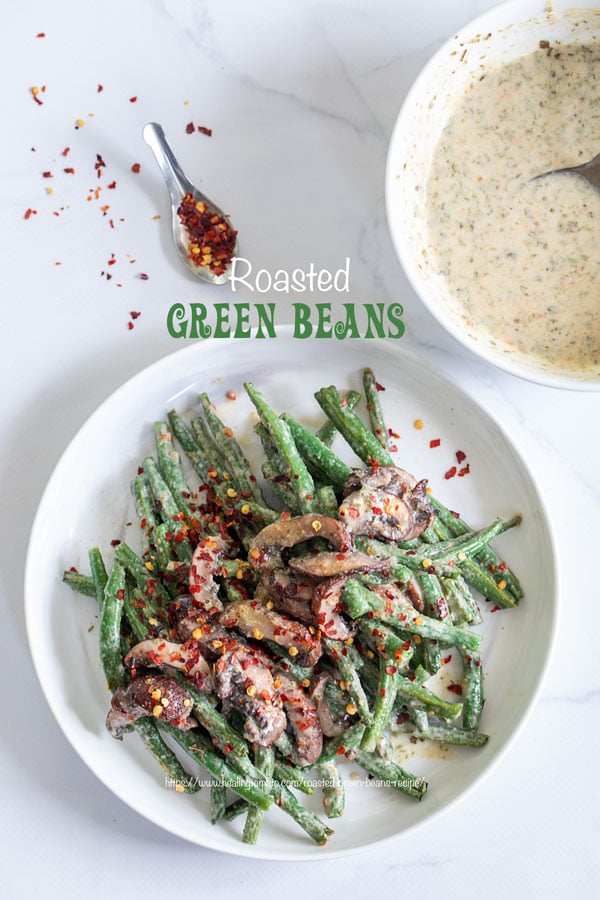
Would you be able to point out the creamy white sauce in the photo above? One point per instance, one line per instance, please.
(520, 256)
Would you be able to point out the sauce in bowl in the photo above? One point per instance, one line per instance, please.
(520, 256)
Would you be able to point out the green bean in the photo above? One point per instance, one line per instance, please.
(471, 543)
(374, 408)
(385, 698)
(315, 453)
(145, 509)
(472, 690)
(327, 503)
(391, 773)
(169, 464)
(346, 743)
(218, 801)
(110, 629)
(134, 606)
(155, 595)
(292, 776)
(445, 734)
(483, 582)
(350, 675)
(264, 760)
(360, 600)
(462, 606)
(327, 433)
(353, 430)
(301, 479)
(200, 749)
(333, 790)
(174, 771)
(99, 575)
(81, 584)
(456, 526)
(239, 466)
(305, 818)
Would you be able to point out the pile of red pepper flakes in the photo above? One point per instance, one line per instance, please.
(211, 239)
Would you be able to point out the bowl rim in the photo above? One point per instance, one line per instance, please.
(513, 11)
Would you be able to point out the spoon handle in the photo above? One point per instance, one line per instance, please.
(176, 181)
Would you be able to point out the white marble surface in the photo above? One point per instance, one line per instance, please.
(301, 97)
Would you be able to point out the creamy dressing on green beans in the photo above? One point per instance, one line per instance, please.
(521, 256)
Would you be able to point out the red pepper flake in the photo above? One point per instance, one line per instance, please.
(100, 88)
(143, 276)
(450, 473)
(112, 185)
(132, 99)
(379, 387)
(190, 128)
(502, 567)
(460, 456)
(30, 212)
(134, 314)
(211, 238)
(47, 175)
(66, 151)
(69, 171)
(455, 688)
(130, 325)
(464, 471)
(495, 608)
(136, 168)
(231, 395)
(393, 434)
(446, 660)
(115, 542)
(435, 443)
(402, 717)
(204, 130)
(41, 34)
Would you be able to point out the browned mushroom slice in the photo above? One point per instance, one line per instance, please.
(186, 616)
(287, 593)
(243, 681)
(265, 548)
(386, 503)
(302, 715)
(256, 620)
(150, 695)
(203, 587)
(330, 726)
(331, 565)
(186, 658)
(327, 609)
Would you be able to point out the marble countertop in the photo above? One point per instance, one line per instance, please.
(301, 98)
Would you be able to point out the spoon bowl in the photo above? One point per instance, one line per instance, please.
(179, 186)
(589, 170)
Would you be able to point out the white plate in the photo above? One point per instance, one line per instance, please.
(86, 504)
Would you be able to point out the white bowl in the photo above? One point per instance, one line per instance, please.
(87, 503)
(503, 34)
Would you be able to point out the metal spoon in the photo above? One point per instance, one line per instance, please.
(178, 186)
(590, 171)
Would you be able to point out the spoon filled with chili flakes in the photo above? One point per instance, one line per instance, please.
(202, 233)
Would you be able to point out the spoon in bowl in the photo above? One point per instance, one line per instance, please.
(590, 171)
(203, 236)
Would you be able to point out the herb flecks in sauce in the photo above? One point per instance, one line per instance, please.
(521, 256)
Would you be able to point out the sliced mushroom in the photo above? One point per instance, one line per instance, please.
(203, 587)
(243, 681)
(186, 658)
(386, 503)
(287, 594)
(331, 565)
(264, 551)
(256, 620)
(302, 715)
(150, 694)
(330, 726)
(327, 609)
